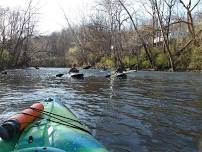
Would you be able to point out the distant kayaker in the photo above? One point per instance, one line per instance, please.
(74, 69)
(105, 68)
(120, 69)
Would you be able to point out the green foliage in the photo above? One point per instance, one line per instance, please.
(143, 61)
(155, 51)
(106, 61)
(161, 61)
(145, 64)
(182, 62)
(93, 58)
(4, 59)
(130, 60)
(196, 59)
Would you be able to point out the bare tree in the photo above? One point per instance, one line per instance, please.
(189, 9)
(3, 26)
(16, 28)
(26, 25)
(190, 24)
(144, 44)
(165, 25)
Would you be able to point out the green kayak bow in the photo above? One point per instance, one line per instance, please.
(56, 129)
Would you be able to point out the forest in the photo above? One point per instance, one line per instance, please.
(143, 35)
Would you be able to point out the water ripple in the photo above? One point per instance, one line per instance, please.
(149, 111)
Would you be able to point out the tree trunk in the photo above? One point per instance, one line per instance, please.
(147, 51)
(165, 38)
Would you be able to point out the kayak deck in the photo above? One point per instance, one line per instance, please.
(121, 75)
(77, 75)
(59, 130)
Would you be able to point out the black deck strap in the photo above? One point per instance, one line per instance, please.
(62, 123)
(50, 113)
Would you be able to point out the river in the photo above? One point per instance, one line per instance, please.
(148, 111)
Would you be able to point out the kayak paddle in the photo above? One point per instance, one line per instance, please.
(59, 75)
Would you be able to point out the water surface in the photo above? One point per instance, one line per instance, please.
(148, 111)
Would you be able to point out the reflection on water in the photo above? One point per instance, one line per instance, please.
(149, 111)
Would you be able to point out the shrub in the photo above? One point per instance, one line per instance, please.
(105, 61)
(130, 60)
(4, 60)
(161, 61)
(145, 64)
(196, 59)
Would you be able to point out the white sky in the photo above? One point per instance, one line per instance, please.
(51, 17)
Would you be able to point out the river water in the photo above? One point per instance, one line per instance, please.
(148, 111)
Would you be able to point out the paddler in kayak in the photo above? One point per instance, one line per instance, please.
(120, 69)
(74, 69)
(120, 72)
